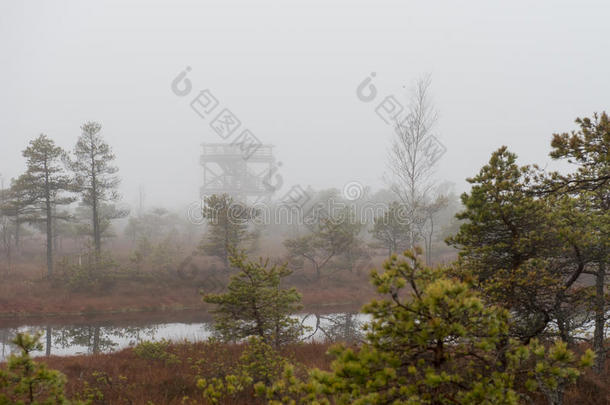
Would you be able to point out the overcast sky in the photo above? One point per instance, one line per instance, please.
(503, 73)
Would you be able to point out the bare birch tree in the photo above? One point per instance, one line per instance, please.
(412, 161)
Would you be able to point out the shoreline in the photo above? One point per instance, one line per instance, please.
(142, 315)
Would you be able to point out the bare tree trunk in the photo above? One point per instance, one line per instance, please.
(8, 252)
(49, 234)
(429, 241)
(411, 168)
(49, 332)
(97, 240)
(96, 340)
(555, 397)
(600, 318)
(56, 248)
(17, 233)
(564, 329)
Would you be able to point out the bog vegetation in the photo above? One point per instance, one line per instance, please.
(503, 323)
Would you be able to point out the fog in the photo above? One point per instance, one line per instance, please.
(508, 73)
(282, 201)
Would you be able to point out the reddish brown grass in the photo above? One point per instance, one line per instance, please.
(27, 292)
(124, 378)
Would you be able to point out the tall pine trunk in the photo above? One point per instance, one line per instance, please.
(600, 318)
(49, 333)
(96, 340)
(17, 233)
(97, 238)
(49, 220)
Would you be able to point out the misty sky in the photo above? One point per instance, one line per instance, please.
(508, 73)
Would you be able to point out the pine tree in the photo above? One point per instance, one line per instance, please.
(44, 184)
(432, 340)
(256, 304)
(434, 345)
(331, 236)
(392, 229)
(19, 206)
(228, 224)
(589, 149)
(522, 249)
(28, 382)
(95, 176)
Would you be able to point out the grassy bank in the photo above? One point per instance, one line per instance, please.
(127, 377)
(26, 293)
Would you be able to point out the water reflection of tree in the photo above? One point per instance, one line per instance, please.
(91, 337)
(6, 336)
(343, 327)
(97, 338)
(6, 339)
(139, 333)
(48, 337)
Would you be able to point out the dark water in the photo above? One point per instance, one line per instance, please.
(74, 336)
(83, 336)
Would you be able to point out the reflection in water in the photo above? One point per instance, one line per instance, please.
(6, 335)
(90, 339)
(99, 338)
(64, 340)
(344, 327)
(48, 335)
